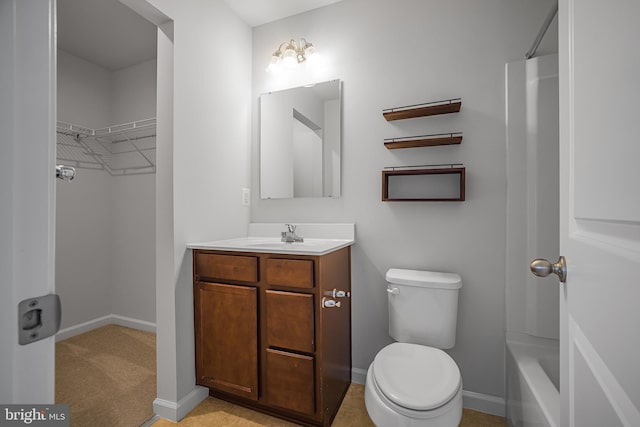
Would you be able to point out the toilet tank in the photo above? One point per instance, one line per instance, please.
(423, 307)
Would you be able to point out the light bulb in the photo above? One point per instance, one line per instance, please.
(311, 53)
(289, 58)
(275, 65)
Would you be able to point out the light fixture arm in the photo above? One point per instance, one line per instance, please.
(291, 53)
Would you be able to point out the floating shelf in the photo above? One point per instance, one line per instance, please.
(428, 183)
(422, 110)
(424, 140)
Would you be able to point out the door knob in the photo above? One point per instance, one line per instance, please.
(542, 267)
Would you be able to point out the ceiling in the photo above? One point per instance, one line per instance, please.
(258, 12)
(111, 35)
(105, 32)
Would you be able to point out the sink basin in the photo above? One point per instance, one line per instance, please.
(289, 245)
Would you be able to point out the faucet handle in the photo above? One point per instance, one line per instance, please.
(291, 227)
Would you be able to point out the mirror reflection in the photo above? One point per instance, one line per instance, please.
(300, 138)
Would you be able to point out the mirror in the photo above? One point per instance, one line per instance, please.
(300, 139)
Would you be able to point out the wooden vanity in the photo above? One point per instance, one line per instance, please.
(266, 339)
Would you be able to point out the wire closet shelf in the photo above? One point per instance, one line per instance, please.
(124, 149)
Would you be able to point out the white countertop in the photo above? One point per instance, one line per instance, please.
(319, 239)
(274, 245)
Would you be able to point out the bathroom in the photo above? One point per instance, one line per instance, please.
(208, 104)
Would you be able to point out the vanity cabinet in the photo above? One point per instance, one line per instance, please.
(263, 338)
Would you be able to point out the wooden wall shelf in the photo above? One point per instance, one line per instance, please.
(424, 141)
(422, 110)
(420, 193)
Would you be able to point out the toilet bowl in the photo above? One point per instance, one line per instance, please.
(413, 385)
(413, 382)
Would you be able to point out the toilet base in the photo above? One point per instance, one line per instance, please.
(384, 413)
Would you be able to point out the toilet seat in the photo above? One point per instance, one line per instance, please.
(415, 377)
(384, 412)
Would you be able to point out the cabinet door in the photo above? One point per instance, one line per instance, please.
(290, 322)
(227, 338)
(290, 381)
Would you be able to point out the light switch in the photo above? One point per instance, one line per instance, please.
(246, 197)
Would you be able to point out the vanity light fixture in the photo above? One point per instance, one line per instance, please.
(290, 54)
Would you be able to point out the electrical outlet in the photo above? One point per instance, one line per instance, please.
(246, 197)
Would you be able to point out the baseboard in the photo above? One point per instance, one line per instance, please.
(129, 322)
(358, 376)
(81, 328)
(110, 319)
(484, 403)
(176, 411)
(150, 421)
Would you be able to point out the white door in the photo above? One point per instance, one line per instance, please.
(27, 191)
(600, 212)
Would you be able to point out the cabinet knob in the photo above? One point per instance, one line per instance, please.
(329, 303)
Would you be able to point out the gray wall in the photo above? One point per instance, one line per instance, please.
(203, 163)
(394, 53)
(105, 225)
(133, 209)
(83, 220)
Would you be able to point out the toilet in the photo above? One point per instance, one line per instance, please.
(413, 382)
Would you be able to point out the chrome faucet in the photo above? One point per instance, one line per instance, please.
(290, 235)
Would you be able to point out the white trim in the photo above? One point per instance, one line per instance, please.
(81, 328)
(165, 409)
(150, 421)
(484, 403)
(358, 376)
(132, 323)
(110, 319)
(176, 411)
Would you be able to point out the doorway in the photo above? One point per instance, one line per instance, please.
(105, 217)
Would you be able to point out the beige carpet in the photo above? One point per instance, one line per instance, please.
(107, 377)
(352, 413)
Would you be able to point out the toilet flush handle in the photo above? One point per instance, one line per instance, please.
(393, 291)
(329, 303)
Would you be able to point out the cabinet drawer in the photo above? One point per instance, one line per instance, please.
(290, 272)
(226, 267)
(290, 381)
(290, 321)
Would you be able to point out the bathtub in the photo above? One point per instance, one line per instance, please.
(533, 378)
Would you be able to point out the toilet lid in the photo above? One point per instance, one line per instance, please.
(416, 376)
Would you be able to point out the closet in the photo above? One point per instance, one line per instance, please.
(105, 216)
